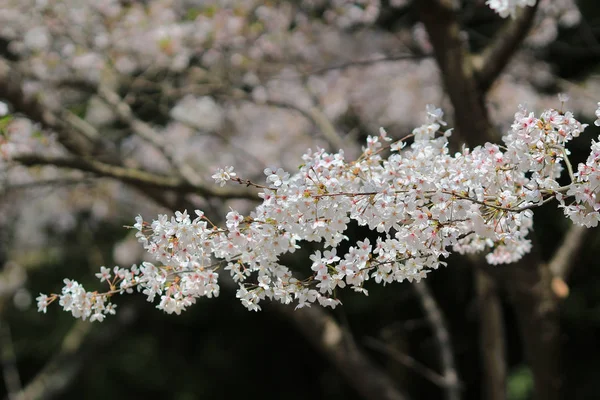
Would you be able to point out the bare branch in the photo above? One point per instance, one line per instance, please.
(311, 71)
(470, 114)
(146, 132)
(490, 64)
(338, 347)
(528, 283)
(442, 338)
(491, 332)
(316, 117)
(56, 120)
(54, 183)
(409, 362)
(79, 345)
(132, 176)
(563, 259)
(60, 371)
(10, 372)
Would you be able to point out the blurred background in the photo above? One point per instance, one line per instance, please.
(93, 95)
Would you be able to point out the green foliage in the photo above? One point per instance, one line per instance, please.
(520, 384)
(4, 122)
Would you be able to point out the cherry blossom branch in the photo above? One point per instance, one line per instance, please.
(508, 209)
(427, 220)
(416, 227)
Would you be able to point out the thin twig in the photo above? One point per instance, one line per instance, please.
(352, 64)
(408, 362)
(338, 347)
(442, 338)
(57, 120)
(146, 132)
(58, 182)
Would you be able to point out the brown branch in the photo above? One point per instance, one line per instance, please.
(565, 258)
(492, 341)
(146, 132)
(78, 346)
(53, 183)
(12, 278)
(10, 372)
(562, 261)
(318, 119)
(56, 120)
(406, 360)
(338, 347)
(360, 63)
(60, 371)
(314, 115)
(442, 339)
(132, 176)
(494, 59)
(528, 283)
(470, 115)
(84, 141)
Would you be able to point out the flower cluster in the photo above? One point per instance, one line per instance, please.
(80, 303)
(420, 202)
(508, 7)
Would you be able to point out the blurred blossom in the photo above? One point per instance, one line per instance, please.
(544, 33)
(259, 94)
(421, 38)
(127, 251)
(202, 113)
(89, 65)
(3, 109)
(125, 64)
(37, 38)
(12, 277)
(570, 18)
(22, 299)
